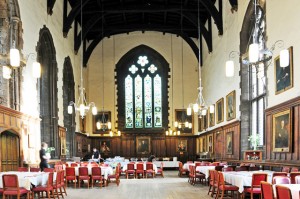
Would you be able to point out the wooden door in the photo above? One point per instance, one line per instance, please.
(10, 151)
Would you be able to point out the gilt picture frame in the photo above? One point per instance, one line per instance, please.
(143, 144)
(220, 110)
(230, 106)
(229, 143)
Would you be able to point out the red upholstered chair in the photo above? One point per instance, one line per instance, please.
(130, 170)
(34, 169)
(74, 165)
(294, 169)
(223, 187)
(57, 191)
(58, 167)
(283, 192)
(293, 176)
(197, 164)
(266, 190)
(149, 170)
(281, 180)
(255, 185)
(44, 188)
(62, 182)
(114, 177)
(181, 170)
(83, 175)
(297, 180)
(49, 170)
(97, 175)
(193, 176)
(278, 174)
(11, 186)
(212, 183)
(22, 169)
(227, 169)
(139, 169)
(285, 169)
(70, 175)
(160, 170)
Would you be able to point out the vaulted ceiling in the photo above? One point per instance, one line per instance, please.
(104, 18)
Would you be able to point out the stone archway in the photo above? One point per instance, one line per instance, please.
(48, 89)
(69, 95)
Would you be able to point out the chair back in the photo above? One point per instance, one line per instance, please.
(48, 169)
(281, 180)
(211, 177)
(180, 166)
(34, 169)
(227, 169)
(221, 181)
(50, 179)
(70, 171)
(266, 190)
(58, 178)
(83, 171)
(283, 192)
(297, 180)
(58, 167)
(294, 169)
(149, 166)
(10, 181)
(192, 170)
(96, 171)
(74, 165)
(161, 165)
(197, 164)
(219, 168)
(285, 169)
(140, 166)
(22, 169)
(293, 175)
(130, 166)
(257, 178)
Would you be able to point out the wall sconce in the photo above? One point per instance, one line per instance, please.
(111, 133)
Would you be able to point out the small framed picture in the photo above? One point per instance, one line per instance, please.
(105, 146)
(283, 75)
(211, 117)
(230, 106)
(182, 145)
(229, 143)
(282, 131)
(210, 143)
(220, 110)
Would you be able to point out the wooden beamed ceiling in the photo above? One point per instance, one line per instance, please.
(104, 18)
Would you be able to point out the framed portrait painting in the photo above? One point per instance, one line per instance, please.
(229, 143)
(283, 75)
(105, 146)
(282, 131)
(230, 106)
(98, 125)
(181, 145)
(211, 119)
(143, 145)
(210, 143)
(220, 110)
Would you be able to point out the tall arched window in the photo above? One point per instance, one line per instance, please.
(142, 79)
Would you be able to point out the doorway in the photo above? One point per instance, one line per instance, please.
(10, 151)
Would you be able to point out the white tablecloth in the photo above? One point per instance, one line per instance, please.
(166, 163)
(295, 189)
(28, 178)
(186, 166)
(205, 170)
(154, 167)
(244, 178)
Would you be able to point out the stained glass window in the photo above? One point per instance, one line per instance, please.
(143, 95)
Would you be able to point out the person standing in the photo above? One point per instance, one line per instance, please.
(43, 157)
(96, 155)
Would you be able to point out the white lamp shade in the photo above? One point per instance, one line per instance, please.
(284, 58)
(175, 124)
(14, 57)
(189, 111)
(253, 52)
(82, 109)
(70, 109)
(179, 126)
(186, 124)
(195, 108)
(178, 132)
(94, 110)
(98, 125)
(167, 132)
(229, 68)
(36, 69)
(204, 111)
(109, 125)
(190, 125)
(211, 108)
(111, 133)
(6, 71)
(119, 133)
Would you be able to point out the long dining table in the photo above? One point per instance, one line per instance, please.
(205, 170)
(244, 178)
(26, 179)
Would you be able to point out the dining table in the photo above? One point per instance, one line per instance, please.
(243, 179)
(205, 170)
(27, 179)
(295, 189)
